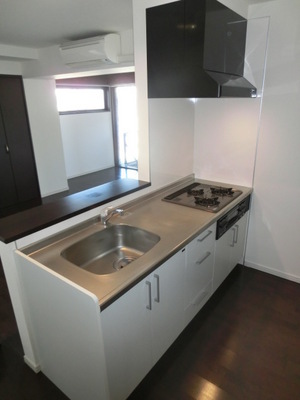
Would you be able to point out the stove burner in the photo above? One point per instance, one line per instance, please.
(195, 192)
(210, 198)
(221, 191)
(207, 201)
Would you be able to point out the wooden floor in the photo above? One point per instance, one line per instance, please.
(244, 344)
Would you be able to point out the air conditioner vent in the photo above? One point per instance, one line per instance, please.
(90, 51)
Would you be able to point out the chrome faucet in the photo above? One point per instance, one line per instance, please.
(110, 212)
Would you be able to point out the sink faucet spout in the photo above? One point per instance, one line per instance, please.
(108, 213)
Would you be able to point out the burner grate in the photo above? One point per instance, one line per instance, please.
(222, 191)
(195, 192)
(207, 201)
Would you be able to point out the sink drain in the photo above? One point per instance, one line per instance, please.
(122, 262)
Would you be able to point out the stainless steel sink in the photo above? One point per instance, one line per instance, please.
(111, 249)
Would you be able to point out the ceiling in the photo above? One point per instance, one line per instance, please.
(42, 23)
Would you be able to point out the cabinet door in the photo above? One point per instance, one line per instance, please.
(239, 241)
(142, 324)
(167, 314)
(222, 258)
(229, 251)
(199, 272)
(127, 341)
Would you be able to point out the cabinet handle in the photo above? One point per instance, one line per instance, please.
(235, 239)
(7, 148)
(149, 306)
(204, 237)
(203, 258)
(157, 298)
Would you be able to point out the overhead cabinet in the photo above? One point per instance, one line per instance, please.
(196, 48)
(18, 175)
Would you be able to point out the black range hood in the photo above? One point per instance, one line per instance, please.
(224, 50)
(196, 49)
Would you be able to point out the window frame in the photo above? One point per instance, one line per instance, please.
(105, 89)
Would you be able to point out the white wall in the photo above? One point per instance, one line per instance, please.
(273, 241)
(87, 142)
(225, 139)
(46, 135)
(171, 125)
(10, 67)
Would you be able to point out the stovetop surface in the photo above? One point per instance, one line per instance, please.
(203, 197)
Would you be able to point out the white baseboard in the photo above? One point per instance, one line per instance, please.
(35, 367)
(273, 271)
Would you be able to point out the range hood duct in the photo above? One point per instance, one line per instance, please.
(224, 50)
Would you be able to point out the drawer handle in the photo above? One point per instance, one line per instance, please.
(204, 237)
(157, 298)
(233, 237)
(203, 258)
(149, 306)
(237, 234)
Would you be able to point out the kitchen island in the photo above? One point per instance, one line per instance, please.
(149, 302)
(176, 226)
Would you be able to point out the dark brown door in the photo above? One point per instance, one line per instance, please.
(19, 182)
(8, 192)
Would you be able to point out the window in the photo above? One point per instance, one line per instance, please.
(126, 126)
(81, 99)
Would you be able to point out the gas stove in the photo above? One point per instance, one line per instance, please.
(204, 197)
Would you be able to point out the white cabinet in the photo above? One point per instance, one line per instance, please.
(126, 334)
(167, 298)
(199, 272)
(140, 326)
(65, 328)
(229, 250)
(143, 323)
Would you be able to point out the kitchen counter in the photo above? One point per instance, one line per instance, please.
(175, 225)
(23, 223)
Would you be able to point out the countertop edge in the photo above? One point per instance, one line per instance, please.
(29, 221)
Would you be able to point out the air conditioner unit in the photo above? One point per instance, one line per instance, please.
(91, 51)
